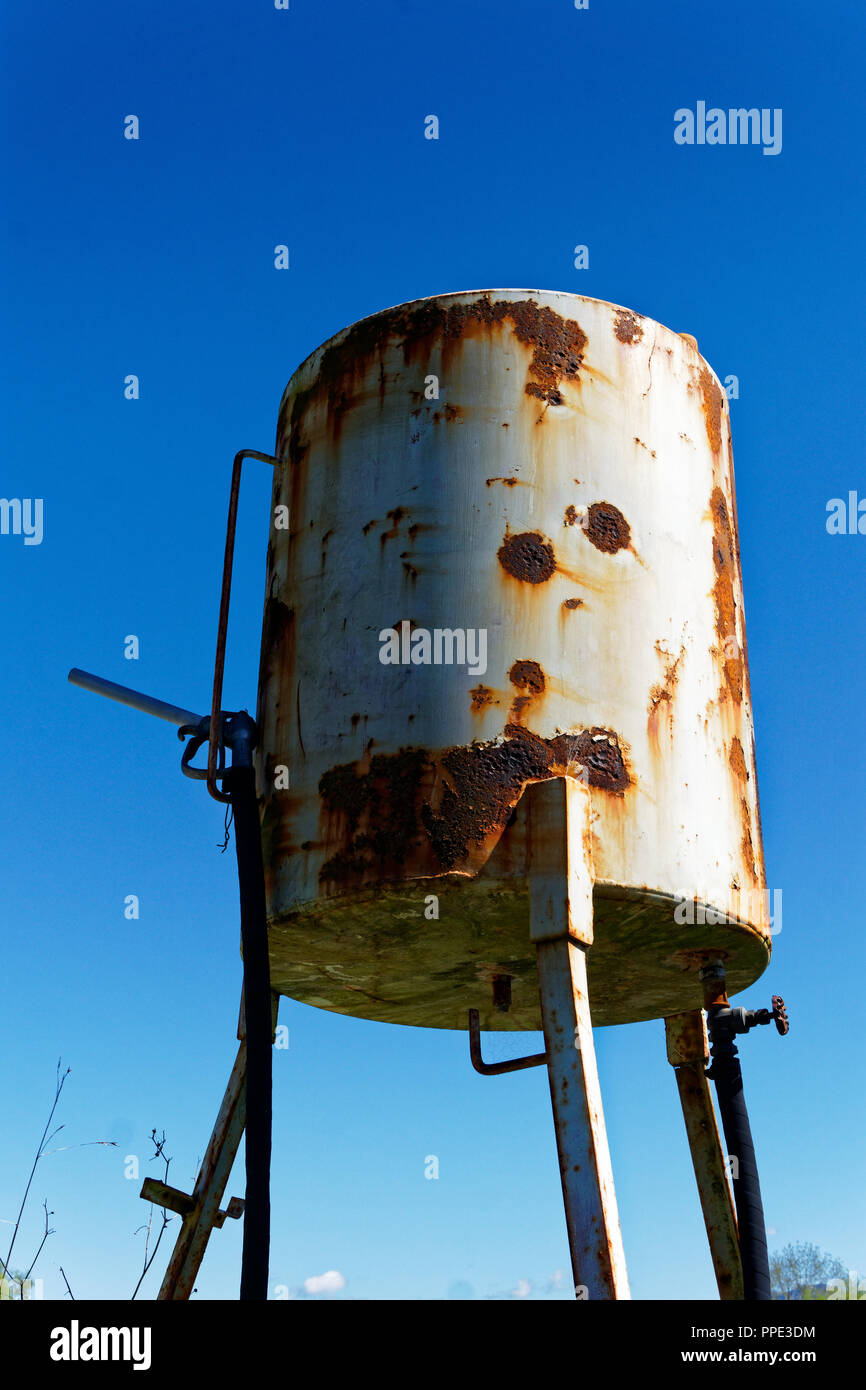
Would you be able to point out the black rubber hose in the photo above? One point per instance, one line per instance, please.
(726, 1073)
(240, 782)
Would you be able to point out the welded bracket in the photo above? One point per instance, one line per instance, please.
(172, 1199)
(537, 1059)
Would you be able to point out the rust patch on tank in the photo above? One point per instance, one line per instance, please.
(626, 327)
(607, 528)
(378, 807)
(481, 783)
(527, 675)
(452, 412)
(723, 594)
(390, 808)
(737, 760)
(557, 345)
(712, 407)
(527, 556)
(550, 394)
(509, 482)
(571, 516)
(482, 696)
(573, 603)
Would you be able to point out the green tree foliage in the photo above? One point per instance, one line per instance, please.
(801, 1271)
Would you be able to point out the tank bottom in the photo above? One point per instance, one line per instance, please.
(375, 954)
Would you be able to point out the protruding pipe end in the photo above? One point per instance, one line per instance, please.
(502, 993)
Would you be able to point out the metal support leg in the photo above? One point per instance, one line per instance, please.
(561, 927)
(688, 1053)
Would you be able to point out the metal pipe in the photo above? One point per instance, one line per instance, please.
(536, 1059)
(240, 782)
(124, 695)
(225, 599)
(726, 1073)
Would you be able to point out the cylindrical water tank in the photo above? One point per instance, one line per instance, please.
(504, 549)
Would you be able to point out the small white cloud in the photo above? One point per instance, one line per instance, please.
(331, 1282)
(555, 1280)
(523, 1290)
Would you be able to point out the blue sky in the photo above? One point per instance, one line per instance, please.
(155, 257)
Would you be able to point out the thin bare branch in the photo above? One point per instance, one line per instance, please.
(39, 1154)
(88, 1143)
(158, 1152)
(49, 1231)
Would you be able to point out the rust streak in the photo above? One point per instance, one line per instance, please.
(664, 691)
(723, 593)
(395, 517)
(737, 760)
(712, 407)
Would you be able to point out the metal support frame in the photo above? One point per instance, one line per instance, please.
(688, 1053)
(561, 881)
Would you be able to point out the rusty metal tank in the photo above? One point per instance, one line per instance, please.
(555, 472)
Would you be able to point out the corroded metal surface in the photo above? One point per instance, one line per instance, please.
(570, 492)
(561, 926)
(203, 1212)
(688, 1052)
